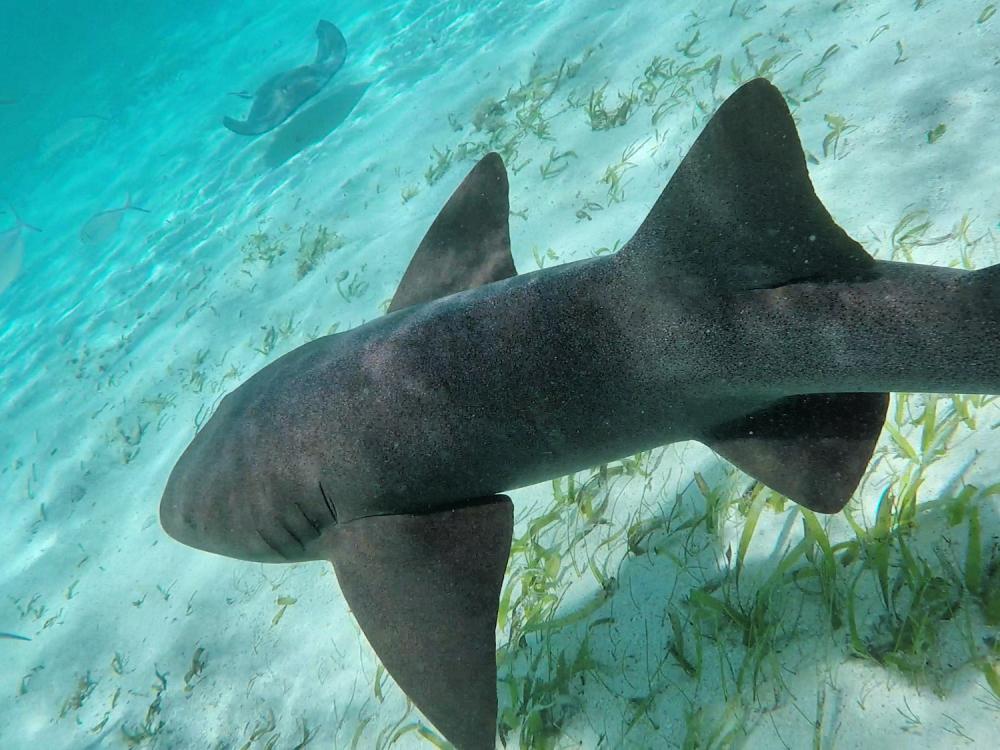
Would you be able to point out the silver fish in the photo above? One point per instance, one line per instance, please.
(102, 226)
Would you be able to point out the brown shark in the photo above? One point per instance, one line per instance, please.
(739, 315)
(285, 92)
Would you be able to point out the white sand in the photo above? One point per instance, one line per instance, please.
(90, 335)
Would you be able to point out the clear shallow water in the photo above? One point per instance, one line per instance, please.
(112, 355)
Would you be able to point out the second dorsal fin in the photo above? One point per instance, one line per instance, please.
(468, 244)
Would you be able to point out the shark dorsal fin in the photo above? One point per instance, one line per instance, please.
(740, 211)
(468, 244)
(425, 590)
(813, 449)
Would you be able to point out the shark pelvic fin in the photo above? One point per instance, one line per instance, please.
(425, 590)
(740, 211)
(468, 244)
(813, 449)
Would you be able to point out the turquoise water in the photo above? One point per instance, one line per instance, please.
(665, 600)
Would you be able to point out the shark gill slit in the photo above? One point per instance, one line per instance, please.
(271, 544)
(291, 533)
(312, 523)
(328, 502)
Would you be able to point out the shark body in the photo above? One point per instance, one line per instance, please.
(739, 315)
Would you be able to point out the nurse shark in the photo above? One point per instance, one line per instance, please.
(739, 315)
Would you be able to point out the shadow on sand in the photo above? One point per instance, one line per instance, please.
(312, 124)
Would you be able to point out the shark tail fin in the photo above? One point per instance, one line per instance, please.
(740, 213)
(425, 590)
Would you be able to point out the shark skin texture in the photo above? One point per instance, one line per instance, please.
(283, 93)
(739, 315)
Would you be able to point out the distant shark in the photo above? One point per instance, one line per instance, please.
(283, 93)
(739, 315)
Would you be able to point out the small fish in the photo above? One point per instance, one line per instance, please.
(14, 637)
(12, 249)
(102, 226)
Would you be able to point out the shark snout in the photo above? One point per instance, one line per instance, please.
(214, 502)
(195, 508)
(177, 516)
(201, 516)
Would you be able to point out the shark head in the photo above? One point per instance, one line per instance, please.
(220, 495)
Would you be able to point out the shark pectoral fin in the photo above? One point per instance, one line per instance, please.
(425, 590)
(468, 244)
(813, 449)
